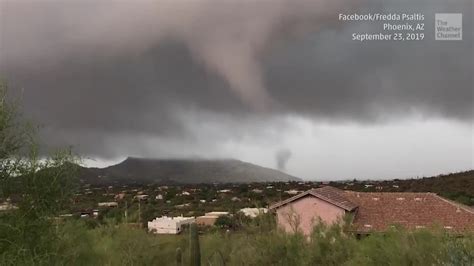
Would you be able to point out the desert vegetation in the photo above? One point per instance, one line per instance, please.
(259, 243)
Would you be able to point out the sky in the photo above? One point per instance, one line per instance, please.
(277, 83)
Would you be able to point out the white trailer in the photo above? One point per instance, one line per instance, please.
(169, 225)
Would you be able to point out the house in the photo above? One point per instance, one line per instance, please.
(209, 218)
(292, 192)
(235, 199)
(141, 197)
(169, 225)
(107, 204)
(253, 212)
(85, 213)
(183, 205)
(206, 220)
(217, 213)
(119, 196)
(7, 206)
(371, 211)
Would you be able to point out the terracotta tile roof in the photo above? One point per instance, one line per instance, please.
(378, 211)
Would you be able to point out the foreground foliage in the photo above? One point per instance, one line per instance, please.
(113, 244)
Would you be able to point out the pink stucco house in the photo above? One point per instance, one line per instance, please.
(371, 211)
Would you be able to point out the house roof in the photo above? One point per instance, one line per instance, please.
(330, 194)
(335, 196)
(377, 211)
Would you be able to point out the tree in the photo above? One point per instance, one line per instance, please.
(224, 221)
(38, 186)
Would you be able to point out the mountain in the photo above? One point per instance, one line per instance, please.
(140, 170)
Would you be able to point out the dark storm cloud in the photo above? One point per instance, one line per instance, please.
(95, 69)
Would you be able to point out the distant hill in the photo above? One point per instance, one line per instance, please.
(140, 170)
(454, 186)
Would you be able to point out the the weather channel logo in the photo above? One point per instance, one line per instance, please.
(448, 26)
